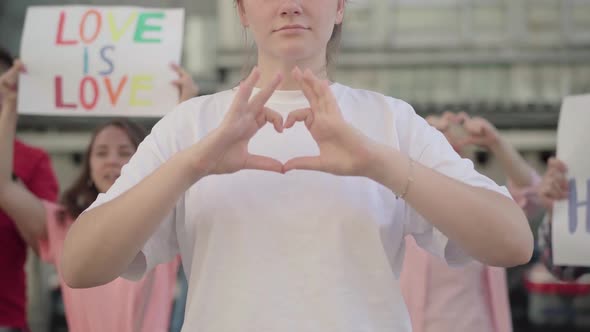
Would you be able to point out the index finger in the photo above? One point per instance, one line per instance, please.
(264, 95)
(557, 164)
(451, 117)
(176, 68)
(247, 85)
(462, 117)
(305, 88)
(329, 95)
(473, 127)
(442, 123)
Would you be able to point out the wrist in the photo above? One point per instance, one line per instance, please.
(8, 110)
(193, 165)
(7, 186)
(9, 104)
(4, 182)
(496, 144)
(389, 167)
(203, 156)
(196, 160)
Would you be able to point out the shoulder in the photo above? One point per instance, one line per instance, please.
(29, 152)
(205, 102)
(374, 102)
(186, 124)
(197, 111)
(379, 109)
(33, 166)
(412, 133)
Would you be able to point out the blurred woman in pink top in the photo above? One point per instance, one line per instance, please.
(121, 305)
(474, 297)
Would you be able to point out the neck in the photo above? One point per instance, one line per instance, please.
(271, 66)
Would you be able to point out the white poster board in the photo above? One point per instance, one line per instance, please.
(100, 61)
(571, 218)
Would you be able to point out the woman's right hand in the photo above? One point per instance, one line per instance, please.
(187, 88)
(479, 131)
(225, 150)
(553, 186)
(444, 122)
(9, 84)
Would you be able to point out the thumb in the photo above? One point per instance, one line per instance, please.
(20, 66)
(306, 163)
(17, 68)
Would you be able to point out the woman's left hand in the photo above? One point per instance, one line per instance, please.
(187, 88)
(344, 150)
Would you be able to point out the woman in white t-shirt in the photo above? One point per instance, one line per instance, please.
(293, 225)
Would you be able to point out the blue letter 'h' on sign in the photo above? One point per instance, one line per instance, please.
(574, 205)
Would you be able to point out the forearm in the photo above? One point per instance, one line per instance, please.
(8, 118)
(25, 210)
(487, 225)
(105, 240)
(513, 164)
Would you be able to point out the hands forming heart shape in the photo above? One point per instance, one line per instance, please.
(462, 130)
(344, 150)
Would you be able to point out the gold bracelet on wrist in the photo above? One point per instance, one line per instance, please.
(409, 180)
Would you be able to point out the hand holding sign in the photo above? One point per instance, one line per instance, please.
(9, 84)
(185, 84)
(571, 217)
(100, 60)
(553, 186)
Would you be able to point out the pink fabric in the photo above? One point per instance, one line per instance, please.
(423, 276)
(526, 197)
(419, 275)
(122, 305)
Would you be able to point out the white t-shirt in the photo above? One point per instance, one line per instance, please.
(306, 251)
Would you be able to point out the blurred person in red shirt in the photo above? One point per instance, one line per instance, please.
(25, 173)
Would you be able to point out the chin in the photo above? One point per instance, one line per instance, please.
(292, 48)
(104, 187)
(294, 53)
